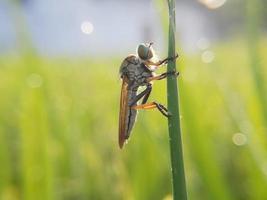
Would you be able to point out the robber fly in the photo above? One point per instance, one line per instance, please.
(136, 71)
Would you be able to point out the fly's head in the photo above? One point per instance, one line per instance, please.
(145, 51)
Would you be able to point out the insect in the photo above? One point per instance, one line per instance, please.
(136, 71)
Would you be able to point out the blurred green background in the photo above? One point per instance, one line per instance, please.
(59, 117)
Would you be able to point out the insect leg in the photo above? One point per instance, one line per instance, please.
(162, 76)
(144, 94)
(153, 105)
(161, 62)
(166, 60)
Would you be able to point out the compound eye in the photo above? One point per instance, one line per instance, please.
(143, 51)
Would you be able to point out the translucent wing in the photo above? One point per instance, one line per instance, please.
(127, 116)
(124, 109)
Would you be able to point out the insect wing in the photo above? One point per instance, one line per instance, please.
(124, 108)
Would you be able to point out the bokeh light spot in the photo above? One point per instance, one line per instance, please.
(239, 139)
(207, 56)
(212, 4)
(168, 197)
(87, 27)
(34, 80)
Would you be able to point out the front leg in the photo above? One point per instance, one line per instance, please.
(160, 62)
(162, 76)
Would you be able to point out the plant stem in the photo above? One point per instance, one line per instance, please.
(178, 176)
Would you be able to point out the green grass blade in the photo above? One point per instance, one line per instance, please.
(178, 176)
(37, 181)
(254, 10)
